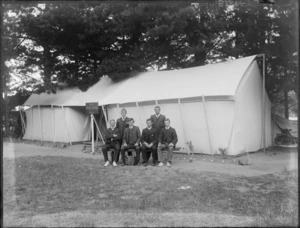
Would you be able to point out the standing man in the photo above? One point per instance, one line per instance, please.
(166, 141)
(158, 124)
(112, 138)
(131, 140)
(122, 123)
(149, 142)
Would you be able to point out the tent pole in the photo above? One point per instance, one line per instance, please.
(104, 115)
(53, 123)
(32, 123)
(264, 104)
(92, 138)
(182, 123)
(22, 121)
(41, 123)
(119, 109)
(206, 120)
(138, 109)
(98, 130)
(273, 128)
(232, 127)
(66, 125)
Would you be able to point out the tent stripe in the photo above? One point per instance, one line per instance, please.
(207, 125)
(41, 123)
(53, 122)
(106, 120)
(182, 122)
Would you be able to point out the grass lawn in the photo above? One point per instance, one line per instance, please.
(63, 191)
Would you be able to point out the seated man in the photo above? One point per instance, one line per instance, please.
(112, 138)
(149, 140)
(166, 141)
(131, 140)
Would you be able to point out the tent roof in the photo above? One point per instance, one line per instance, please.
(219, 79)
(74, 96)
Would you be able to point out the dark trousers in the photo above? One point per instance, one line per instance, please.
(119, 153)
(146, 152)
(125, 148)
(112, 145)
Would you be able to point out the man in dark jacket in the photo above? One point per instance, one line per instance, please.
(131, 140)
(122, 123)
(112, 138)
(166, 141)
(158, 124)
(149, 141)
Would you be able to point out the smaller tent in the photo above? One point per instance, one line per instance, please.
(282, 123)
(57, 124)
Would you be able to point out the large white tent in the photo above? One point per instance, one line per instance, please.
(215, 106)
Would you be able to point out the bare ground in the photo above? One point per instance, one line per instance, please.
(274, 161)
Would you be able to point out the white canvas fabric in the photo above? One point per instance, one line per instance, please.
(218, 79)
(57, 124)
(234, 123)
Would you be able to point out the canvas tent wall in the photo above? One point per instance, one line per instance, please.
(57, 124)
(60, 118)
(214, 106)
(72, 98)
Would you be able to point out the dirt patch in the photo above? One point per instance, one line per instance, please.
(130, 197)
(102, 195)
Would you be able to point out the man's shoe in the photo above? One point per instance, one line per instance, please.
(160, 164)
(123, 164)
(145, 164)
(106, 163)
(168, 164)
(115, 164)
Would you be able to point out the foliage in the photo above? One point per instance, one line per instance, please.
(77, 43)
(269, 30)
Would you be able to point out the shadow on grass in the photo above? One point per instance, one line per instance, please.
(46, 185)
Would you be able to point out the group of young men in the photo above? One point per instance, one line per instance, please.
(157, 137)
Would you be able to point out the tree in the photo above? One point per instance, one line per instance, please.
(78, 43)
(269, 30)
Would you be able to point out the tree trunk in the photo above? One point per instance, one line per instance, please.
(5, 102)
(286, 105)
(200, 57)
(47, 68)
(6, 108)
(169, 61)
